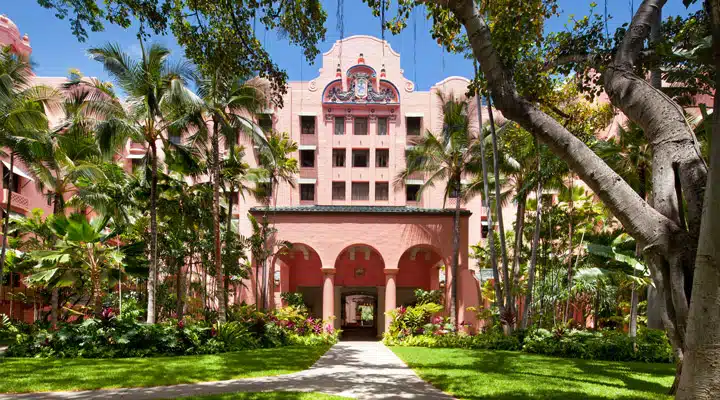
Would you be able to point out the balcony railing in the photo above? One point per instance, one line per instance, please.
(19, 201)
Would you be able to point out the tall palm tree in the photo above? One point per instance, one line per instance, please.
(157, 98)
(446, 158)
(228, 105)
(628, 153)
(23, 122)
(275, 158)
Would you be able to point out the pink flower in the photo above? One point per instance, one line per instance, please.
(329, 329)
(437, 320)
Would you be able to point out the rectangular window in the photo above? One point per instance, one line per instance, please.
(307, 191)
(360, 126)
(175, 139)
(382, 156)
(307, 125)
(136, 163)
(455, 192)
(265, 122)
(484, 229)
(360, 158)
(338, 190)
(264, 190)
(307, 158)
(382, 190)
(360, 190)
(382, 126)
(411, 192)
(6, 181)
(339, 125)
(338, 157)
(413, 125)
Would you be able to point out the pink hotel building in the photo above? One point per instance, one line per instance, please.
(358, 236)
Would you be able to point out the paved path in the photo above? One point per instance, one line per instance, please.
(363, 370)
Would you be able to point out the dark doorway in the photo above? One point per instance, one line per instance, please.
(359, 315)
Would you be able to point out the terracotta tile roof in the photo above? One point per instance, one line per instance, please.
(361, 210)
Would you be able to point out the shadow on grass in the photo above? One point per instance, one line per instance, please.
(477, 374)
(33, 375)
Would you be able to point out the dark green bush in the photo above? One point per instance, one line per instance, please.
(110, 336)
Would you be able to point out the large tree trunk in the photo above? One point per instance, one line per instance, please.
(533, 255)
(669, 248)
(700, 378)
(219, 276)
(455, 258)
(488, 214)
(152, 276)
(6, 219)
(509, 301)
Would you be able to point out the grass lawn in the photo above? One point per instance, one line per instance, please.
(43, 374)
(479, 374)
(268, 396)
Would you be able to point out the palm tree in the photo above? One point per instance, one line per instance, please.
(228, 104)
(279, 166)
(446, 158)
(628, 153)
(158, 98)
(83, 250)
(23, 121)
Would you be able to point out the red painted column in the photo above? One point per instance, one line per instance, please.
(328, 295)
(390, 293)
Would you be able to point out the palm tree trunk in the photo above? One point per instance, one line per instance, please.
(486, 200)
(519, 229)
(571, 231)
(6, 221)
(228, 236)
(179, 290)
(534, 251)
(509, 301)
(152, 277)
(455, 258)
(12, 293)
(219, 276)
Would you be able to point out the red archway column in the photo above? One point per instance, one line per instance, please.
(328, 294)
(390, 293)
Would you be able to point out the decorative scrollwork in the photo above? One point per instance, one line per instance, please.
(312, 85)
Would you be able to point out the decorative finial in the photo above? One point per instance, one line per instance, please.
(338, 72)
(361, 59)
(382, 71)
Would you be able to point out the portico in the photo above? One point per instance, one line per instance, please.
(381, 253)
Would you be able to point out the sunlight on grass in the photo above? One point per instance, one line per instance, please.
(269, 396)
(478, 374)
(36, 374)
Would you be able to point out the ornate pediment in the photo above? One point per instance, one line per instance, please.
(363, 88)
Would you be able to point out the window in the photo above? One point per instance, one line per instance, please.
(136, 163)
(265, 122)
(175, 139)
(339, 125)
(360, 158)
(307, 158)
(307, 191)
(382, 126)
(455, 192)
(484, 229)
(338, 190)
(338, 157)
(382, 190)
(381, 158)
(411, 192)
(307, 125)
(413, 125)
(264, 190)
(360, 190)
(360, 126)
(6, 180)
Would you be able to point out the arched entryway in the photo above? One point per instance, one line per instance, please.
(298, 270)
(359, 278)
(420, 267)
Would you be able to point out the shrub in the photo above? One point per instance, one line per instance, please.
(293, 299)
(406, 321)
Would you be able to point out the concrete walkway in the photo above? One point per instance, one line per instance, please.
(363, 370)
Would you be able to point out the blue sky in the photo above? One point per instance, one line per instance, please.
(55, 50)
